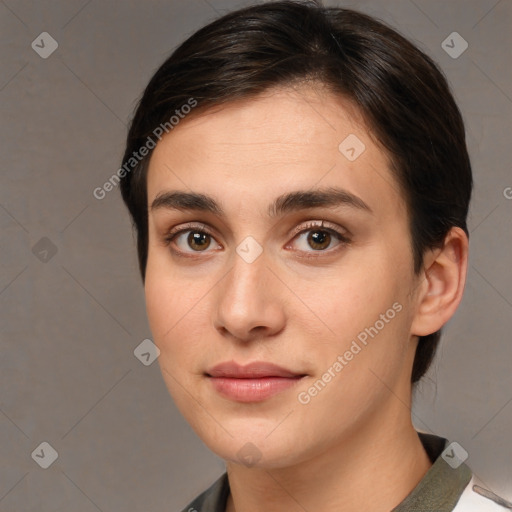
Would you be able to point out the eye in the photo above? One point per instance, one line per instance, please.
(313, 237)
(316, 237)
(190, 239)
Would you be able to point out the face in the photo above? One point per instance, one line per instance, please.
(279, 294)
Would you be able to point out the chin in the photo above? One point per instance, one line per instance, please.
(255, 446)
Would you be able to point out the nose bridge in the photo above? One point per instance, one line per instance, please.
(248, 299)
(244, 284)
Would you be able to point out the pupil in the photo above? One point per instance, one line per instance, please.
(198, 240)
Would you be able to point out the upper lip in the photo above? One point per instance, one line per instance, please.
(255, 370)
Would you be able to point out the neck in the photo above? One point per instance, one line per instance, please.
(373, 468)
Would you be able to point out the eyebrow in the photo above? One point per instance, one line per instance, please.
(297, 200)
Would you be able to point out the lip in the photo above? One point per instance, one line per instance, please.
(253, 382)
(255, 370)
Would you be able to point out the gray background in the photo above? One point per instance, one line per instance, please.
(70, 321)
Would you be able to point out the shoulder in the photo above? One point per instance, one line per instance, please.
(213, 499)
(476, 498)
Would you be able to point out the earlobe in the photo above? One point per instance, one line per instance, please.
(444, 279)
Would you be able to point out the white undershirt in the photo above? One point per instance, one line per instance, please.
(471, 501)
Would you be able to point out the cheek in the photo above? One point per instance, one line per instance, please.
(178, 319)
(359, 365)
(168, 296)
(170, 305)
(161, 303)
(351, 297)
(179, 315)
(361, 311)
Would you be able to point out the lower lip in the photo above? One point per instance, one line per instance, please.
(252, 390)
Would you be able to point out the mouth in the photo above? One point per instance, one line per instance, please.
(254, 382)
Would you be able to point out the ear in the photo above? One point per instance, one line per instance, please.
(444, 278)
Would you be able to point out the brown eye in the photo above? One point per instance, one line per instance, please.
(198, 240)
(319, 239)
(190, 241)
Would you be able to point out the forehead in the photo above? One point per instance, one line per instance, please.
(249, 151)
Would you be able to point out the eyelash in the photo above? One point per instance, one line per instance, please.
(308, 226)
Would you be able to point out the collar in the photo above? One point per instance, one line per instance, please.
(442, 485)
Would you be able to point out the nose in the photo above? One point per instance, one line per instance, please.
(249, 301)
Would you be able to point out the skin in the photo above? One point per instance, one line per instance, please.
(353, 446)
